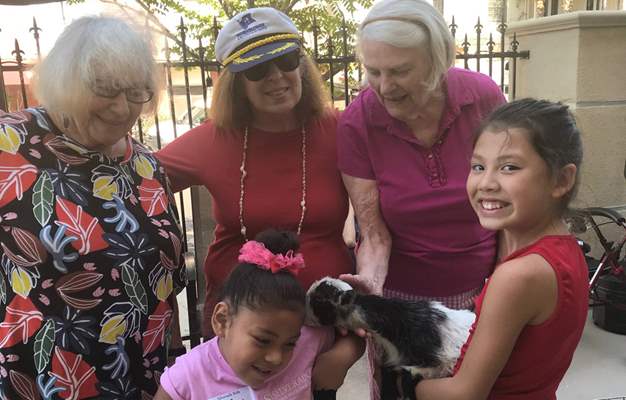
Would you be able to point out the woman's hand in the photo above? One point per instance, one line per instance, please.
(360, 332)
(363, 283)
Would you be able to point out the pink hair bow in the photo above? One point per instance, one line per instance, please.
(254, 252)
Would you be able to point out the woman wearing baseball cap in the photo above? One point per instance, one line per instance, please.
(267, 155)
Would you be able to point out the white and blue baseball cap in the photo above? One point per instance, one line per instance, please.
(255, 36)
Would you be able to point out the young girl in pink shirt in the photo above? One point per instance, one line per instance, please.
(261, 349)
(531, 313)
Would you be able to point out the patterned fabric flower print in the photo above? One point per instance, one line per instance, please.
(119, 365)
(12, 131)
(77, 378)
(124, 220)
(74, 331)
(129, 249)
(121, 320)
(6, 360)
(144, 165)
(86, 275)
(68, 184)
(112, 180)
(21, 320)
(17, 175)
(119, 389)
(14, 118)
(22, 280)
(153, 197)
(81, 226)
(17, 263)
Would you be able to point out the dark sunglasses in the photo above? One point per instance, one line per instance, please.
(286, 62)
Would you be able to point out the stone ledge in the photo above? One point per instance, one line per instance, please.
(597, 103)
(573, 20)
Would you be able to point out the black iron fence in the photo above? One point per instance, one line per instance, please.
(188, 81)
(495, 57)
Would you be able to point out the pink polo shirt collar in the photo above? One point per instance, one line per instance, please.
(457, 96)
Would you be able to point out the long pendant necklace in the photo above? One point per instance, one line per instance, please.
(244, 174)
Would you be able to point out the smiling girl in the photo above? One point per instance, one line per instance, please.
(261, 350)
(531, 312)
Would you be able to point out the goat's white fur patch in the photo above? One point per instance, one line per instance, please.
(338, 283)
(454, 333)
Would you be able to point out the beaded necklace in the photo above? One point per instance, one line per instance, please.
(244, 174)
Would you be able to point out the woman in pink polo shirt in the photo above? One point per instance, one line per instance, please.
(404, 146)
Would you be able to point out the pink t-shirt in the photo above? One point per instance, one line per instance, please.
(438, 245)
(204, 374)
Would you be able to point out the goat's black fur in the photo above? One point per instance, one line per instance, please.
(418, 338)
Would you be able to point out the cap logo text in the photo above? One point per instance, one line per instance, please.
(246, 20)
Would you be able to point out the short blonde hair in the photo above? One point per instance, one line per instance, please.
(92, 48)
(230, 108)
(411, 24)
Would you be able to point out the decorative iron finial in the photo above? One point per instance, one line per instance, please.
(18, 52)
(491, 44)
(514, 43)
(465, 45)
(478, 26)
(35, 29)
(453, 27)
(182, 29)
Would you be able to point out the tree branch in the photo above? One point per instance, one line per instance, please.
(225, 6)
(158, 26)
(290, 5)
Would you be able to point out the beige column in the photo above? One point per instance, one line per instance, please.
(580, 59)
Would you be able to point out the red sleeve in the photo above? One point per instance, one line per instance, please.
(184, 157)
(352, 147)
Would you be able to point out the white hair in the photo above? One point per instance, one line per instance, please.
(411, 24)
(91, 48)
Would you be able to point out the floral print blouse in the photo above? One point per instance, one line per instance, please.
(90, 259)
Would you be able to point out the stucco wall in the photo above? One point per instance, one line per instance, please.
(580, 59)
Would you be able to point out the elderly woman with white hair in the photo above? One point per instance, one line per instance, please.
(404, 147)
(90, 244)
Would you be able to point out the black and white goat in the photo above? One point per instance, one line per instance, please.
(419, 339)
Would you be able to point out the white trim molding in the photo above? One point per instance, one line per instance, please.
(573, 20)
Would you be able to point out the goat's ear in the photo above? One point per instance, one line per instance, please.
(347, 297)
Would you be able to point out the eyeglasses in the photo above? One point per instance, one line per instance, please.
(286, 62)
(133, 95)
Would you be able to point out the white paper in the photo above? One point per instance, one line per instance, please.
(243, 393)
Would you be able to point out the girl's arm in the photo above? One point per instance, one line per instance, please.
(161, 395)
(332, 366)
(521, 291)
